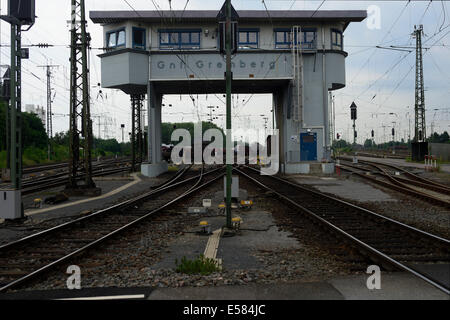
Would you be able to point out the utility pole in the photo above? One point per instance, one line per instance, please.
(122, 126)
(80, 160)
(49, 109)
(18, 16)
(228, 45)
(420, 125)
(211, 109)
(228, 92)
(266, 120)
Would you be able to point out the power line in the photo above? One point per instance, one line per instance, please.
(389, 31)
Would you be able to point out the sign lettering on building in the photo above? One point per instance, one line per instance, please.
(212, 66)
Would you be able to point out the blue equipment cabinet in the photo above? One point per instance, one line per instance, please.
(308, 146)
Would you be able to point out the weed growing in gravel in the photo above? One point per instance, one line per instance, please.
(201, 265)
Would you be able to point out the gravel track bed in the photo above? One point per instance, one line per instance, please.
(14, 230)
(406, 209)
(127, 261)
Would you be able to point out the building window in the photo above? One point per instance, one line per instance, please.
(336, 39)
(248, 38)
(283, 38)
(115, 38)
(179, 39)
(139, 41)
(309, 38)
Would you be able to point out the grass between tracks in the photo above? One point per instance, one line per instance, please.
(201, 265)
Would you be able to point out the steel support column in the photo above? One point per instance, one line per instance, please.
(137, 141)
(80, 147)
(16, 108)
(420, 125)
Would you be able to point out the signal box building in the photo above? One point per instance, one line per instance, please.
(298, 56)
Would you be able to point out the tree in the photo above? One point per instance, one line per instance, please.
(369, 144)
(33, 131)
(439, 138)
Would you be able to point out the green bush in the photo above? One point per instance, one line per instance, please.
(201, 265)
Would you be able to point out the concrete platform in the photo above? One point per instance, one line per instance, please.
(114, 190)
(395, 286)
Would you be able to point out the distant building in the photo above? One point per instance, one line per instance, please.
(37, 110)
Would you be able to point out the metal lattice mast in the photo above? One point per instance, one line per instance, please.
(6, 92)
(137, 143)
(49, 109)
(16, 107)
(420, 125)
(80, 117)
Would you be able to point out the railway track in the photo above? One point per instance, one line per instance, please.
(60, 165)
(383, 240)
(48, 183)
(32, 256)
(414, 185)
(32, 185)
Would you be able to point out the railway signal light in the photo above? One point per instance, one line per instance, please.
(353, 108)
(373, 134)
(338, 136)
(222, 30)
(23, 11)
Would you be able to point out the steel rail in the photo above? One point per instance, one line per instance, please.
(347, 235)
(163, 187)
(31, 183)
(94, 243)
(102, 166)
(63, 180)
(417, 183)
(406, 172)
(401, 187)
(45, 167)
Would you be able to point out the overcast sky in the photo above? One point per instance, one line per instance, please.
(381, 82)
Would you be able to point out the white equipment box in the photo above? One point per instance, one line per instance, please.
(10, 204)
(234, 187)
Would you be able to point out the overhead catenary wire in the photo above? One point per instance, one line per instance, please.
(385, 36)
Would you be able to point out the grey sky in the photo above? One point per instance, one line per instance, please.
(393, 92)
